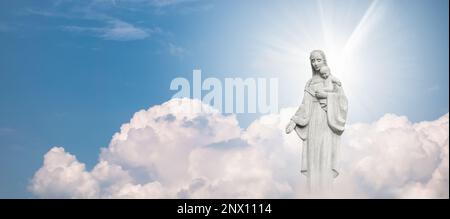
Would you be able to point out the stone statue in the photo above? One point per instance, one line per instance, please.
(319, 122)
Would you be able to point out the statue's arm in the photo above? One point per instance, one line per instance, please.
(336, 81)
(337, 111)
(302, 114)
(296, 118)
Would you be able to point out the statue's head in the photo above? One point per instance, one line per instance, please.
(318, 59)
(325, 71)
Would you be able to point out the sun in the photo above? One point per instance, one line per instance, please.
(341, 32)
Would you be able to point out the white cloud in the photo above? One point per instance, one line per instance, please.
(176, 50)
(109, 25)
(63, 176)
(172, 151)
(122, 31)
(393, 157)
(153, 3)
(115, 30)
(165, 3)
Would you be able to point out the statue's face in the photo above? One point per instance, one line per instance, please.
(324, 72)
(316, 61)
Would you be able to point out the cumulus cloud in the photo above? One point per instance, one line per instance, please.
(63, 176)
(174, 151)
(393, 157)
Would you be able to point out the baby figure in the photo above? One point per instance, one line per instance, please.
(328, 86)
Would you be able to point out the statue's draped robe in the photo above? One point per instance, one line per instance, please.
(320, 131)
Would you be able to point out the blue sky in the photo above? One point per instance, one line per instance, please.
(71, 72)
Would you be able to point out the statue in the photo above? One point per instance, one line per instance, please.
(319, 122)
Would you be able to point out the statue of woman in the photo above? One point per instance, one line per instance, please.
(320, 127)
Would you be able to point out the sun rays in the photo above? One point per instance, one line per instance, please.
(342, 32)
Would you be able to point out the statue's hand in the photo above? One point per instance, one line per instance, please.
(321, 94)
(338, 83)
(290, 127)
